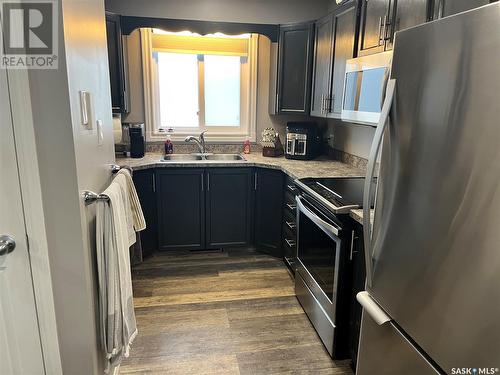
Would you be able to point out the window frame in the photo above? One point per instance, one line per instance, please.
(248, 99)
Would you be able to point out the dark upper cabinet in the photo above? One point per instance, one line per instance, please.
(117, 74)
(268, 211)
(181, 208)
(345, 27)
(295, 68)
(229, 200)
(380, 19)
(322, 66)
(375, 15)
(409, 13)
(144, 181)
(335, 43)
(444, 8)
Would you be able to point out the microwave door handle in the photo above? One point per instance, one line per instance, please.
(315, 218)
(370, 171)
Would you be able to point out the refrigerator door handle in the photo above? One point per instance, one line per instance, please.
(370, 171)
(372, 308)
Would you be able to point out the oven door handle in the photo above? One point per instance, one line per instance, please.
(316, 219)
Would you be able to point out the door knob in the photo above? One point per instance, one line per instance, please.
(7, 245)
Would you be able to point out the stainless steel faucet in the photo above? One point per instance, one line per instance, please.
(200, 141)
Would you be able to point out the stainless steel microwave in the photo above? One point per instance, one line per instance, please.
(364, 88)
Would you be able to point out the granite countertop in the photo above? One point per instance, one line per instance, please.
(357, 215)
(319, 167)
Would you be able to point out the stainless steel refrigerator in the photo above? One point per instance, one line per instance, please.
(432, 300)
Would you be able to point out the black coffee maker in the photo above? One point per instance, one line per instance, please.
(137, 140)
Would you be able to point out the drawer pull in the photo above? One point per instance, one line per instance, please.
(290, 243)
(291, 187)
(291, 224)
(291, 206)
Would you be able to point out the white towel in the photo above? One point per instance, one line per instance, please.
(122, 183)
(116, 307)
(135, 204)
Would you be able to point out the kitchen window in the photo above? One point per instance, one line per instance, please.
(196, 83)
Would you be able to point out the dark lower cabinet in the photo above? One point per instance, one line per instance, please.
(358, 285)
(229, 193)
(144, 181)
(181, 209)
(268, 211)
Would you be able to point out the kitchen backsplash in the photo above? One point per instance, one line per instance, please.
(187, 148)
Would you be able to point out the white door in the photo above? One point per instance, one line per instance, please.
(20, 347)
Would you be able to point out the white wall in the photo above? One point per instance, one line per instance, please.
(248, 11)
(70, 161)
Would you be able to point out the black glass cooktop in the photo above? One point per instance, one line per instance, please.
(338, 191)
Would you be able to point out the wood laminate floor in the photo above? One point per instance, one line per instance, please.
(231, 312)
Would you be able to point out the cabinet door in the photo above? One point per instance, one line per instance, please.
(410, 13)
(268, 211)
(181, 209)
(345, 25)
(444, 8)
(322, 66)
(294, 64)
(374, 17)
(116, 63)
(229, 206)
(144, 181)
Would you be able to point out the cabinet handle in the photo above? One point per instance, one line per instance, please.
(381, 28)
(387, 30)
(153, 182)
(208, 181)
(291, 224)
(202, 182)
(255, 181)
(352, 245)
(291, 206)
(290, 243)
(291, 187)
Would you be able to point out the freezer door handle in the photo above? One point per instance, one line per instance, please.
(370, 171)
(372, 308)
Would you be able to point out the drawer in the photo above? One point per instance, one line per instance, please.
(289, 222)
(289, 247)
(290, 186)
(290, 203)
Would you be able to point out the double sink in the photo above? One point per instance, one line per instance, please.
(202, 157)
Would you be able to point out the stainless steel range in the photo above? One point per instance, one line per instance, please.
(324, 254)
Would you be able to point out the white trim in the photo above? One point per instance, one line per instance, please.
(216, 134)
(22, 118)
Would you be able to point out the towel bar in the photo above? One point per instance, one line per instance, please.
(90, 197)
